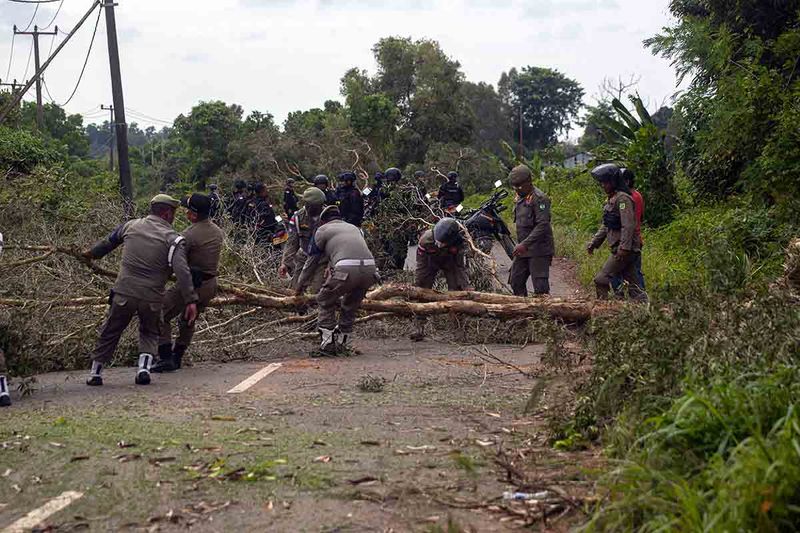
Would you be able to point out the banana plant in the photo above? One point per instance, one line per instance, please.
(621, 131)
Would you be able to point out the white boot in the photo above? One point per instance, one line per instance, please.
(143, 374)
(5, 398)
(95, 379)
(328, 342)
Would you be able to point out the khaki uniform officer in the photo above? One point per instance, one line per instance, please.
(152, 250)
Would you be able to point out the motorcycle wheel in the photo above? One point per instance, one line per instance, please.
(485, 244)
(508, 245)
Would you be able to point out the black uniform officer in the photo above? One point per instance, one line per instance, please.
(351, 203)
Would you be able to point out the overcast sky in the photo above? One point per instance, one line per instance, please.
(279, 56)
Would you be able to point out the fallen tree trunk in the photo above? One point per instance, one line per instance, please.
(424, 302)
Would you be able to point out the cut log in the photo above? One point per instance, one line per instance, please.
(418, 302)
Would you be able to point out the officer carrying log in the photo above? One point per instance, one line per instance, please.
(301, 229)
(441, 249)
(203, 243)
(352, 273)
(152, 250)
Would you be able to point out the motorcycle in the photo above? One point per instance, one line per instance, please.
(486, 226)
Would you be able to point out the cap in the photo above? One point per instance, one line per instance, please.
(520, 175)
(197, 203)
(314, 196)
(165, 199)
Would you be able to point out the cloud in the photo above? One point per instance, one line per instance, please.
(567, 8)
(279, 56)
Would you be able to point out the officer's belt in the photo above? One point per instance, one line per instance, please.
(355, 262)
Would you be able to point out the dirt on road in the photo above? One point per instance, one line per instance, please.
(402, 437)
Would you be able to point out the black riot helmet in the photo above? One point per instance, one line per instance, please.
(611, 173)
(628, 178)
(240, 185)
(608, 173)
(393, 174)
(418, 175)
(452, 176)
(447, 232)
(346, 177)
(321, 179)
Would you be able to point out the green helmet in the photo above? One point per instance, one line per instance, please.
(313, 196)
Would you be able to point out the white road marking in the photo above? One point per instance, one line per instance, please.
(255, 378)
(37, 516)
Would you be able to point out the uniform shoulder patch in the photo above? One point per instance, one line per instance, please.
(622, 205)
(542, 206)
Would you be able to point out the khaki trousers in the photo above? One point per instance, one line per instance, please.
(536, 268)
(347, 285)
(122, 311)
(174, 307)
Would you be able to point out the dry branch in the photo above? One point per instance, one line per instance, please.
(424, 302)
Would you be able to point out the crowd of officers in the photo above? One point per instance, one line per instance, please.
(326, 253)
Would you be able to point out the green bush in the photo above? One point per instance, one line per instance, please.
(725, 457)
(21, 151)
(645, 357)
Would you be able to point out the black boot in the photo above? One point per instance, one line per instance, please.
(177, 355)
(166, 360)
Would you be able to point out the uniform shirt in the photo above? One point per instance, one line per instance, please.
(336, 240)
(301, 229)
(330, 196)
(216, 205)
(236, 207)
(532, 217)
(289, 202)
(264, 216)
(351, 204)
(152, 251)
(451, 194)
(203, 247)
(619, 209)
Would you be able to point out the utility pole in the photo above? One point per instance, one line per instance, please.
(13, 85)
(35, 34)
(111, 132)
(120, 125)
(36, 77)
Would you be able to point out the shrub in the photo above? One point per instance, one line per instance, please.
(21, 151)
(725, 457)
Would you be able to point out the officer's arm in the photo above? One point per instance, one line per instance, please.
(293, 244)
(315, 254)
(541, 209)
(599, 238)
(627, 215)
(180, 267)
(460, 195)
(109, 244)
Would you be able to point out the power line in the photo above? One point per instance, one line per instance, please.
(35, 11)
(11, 56)
(86, 61)
(145, 116)
(55, 16)
(28, 65)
